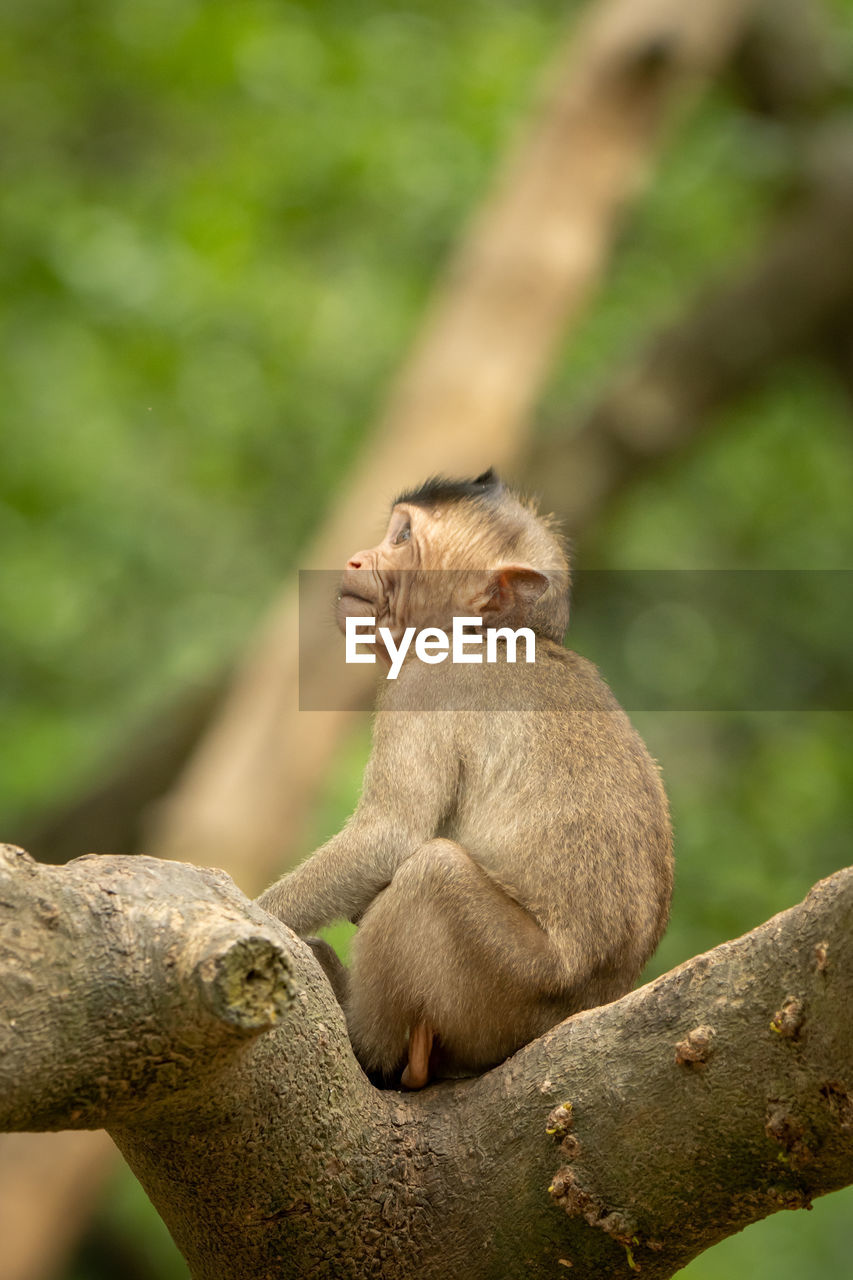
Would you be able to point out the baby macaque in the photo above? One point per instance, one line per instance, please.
(510, 859)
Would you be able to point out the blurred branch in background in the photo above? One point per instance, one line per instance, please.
(111, 814)
(788, 66)
(49, 1186)
(786, 302)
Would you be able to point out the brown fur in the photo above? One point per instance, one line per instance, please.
(509, 860)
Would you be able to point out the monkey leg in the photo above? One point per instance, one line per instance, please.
(331, 965)
(444, 951)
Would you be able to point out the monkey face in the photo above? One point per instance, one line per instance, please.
(396, 581)
(432, 565)
(372, 582)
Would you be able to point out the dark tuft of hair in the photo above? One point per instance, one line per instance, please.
(438, 489)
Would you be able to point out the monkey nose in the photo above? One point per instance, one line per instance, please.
(356, 561)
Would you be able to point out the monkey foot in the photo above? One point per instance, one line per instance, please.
(416, 1072)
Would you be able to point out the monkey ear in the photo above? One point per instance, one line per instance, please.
(513, 589)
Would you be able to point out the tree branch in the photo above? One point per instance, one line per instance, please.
(124, 978)
(152, 998)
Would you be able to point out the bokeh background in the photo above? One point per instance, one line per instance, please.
(219, 224)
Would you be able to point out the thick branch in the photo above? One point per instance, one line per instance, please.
(706, 1100)
(124, 980)
(152, 998)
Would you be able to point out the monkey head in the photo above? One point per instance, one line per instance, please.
(461, 548)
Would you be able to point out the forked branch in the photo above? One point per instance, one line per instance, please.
(152, 998)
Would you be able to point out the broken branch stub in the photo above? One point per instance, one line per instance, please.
(122, 980)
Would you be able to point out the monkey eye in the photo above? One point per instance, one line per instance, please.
(403, 535)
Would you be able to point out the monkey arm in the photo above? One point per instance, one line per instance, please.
(338, 880)
(409, 789)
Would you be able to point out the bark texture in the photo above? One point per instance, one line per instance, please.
(153, 999)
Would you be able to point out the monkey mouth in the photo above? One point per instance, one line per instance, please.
(353, 596)
(351, 605)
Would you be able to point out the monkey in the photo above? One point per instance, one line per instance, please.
(509, 861)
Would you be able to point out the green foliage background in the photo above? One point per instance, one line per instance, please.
(218, 227)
